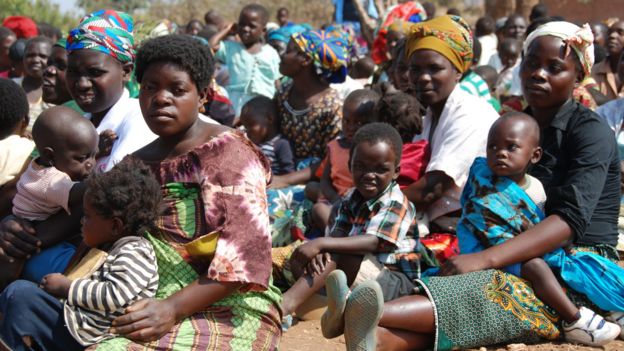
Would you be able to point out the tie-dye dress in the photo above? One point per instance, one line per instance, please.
(218, 186)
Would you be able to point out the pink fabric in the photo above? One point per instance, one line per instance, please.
(41, 192)
(414, 160)
(341, 177)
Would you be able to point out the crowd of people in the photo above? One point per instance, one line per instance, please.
(435, 185)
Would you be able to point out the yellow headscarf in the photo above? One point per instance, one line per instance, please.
(448, 35)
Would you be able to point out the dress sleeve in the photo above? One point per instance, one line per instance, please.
(221, 54)
(234, 195)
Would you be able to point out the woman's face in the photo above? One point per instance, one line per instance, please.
(95, 80)
(54, 87)
(36, 58)
(615, 38)
(547, 76)
(292, 60)
(432, 76)
(169, 99)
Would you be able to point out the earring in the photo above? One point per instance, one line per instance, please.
(202, 108)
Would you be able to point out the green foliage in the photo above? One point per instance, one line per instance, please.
(40, 11)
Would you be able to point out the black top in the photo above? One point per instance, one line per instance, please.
(580, 171)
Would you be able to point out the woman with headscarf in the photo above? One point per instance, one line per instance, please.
(477, 305)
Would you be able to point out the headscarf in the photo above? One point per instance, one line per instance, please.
(447, 35)
(329, 53)
(580, 39)
(284, 33)
(107, 31)
(61, 43)
(409, 13)
(23, 27)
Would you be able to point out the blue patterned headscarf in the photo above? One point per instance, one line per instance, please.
(329, 52)
(284, 33)
(107, 31)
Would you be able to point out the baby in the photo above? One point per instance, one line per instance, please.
(501, 200)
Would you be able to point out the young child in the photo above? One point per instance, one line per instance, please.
(501, 200)
(509, 52)
(374, 233)
(253, 66)
(119, 206)
(336, 179)
(259, 117)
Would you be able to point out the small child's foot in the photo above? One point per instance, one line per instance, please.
(363, 311)
(617, 318)
(332, 321)
(590, 329)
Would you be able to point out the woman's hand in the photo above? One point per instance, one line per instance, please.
(146, 320)
(461, 264)
(17, 239)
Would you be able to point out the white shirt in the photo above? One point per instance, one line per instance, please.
(496, 63)
(126, 120)
(347, 87)
(459, 138)
(489, 43)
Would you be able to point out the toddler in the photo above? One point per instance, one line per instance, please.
(259, 117)
(501, 200)
(253, 65)
(509, 52)
(336, 178)
(119, 207)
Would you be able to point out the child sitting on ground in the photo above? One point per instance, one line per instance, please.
(259, 117)
(374, 235)
(336, 178)
(119, 207)
(501, 200)
(253, 65)
(66, 143)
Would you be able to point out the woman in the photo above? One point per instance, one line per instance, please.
(456, 123)
(54, 88)
(579, 153)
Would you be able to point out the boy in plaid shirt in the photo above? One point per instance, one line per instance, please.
(374, 236)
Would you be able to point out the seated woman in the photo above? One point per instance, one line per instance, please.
(220, 299)
(580, 173)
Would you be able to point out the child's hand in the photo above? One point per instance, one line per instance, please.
(105, 146)
(304, 253)
(317, 265)
(56, 284)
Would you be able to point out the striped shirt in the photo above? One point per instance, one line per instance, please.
(278, 151)
(129, 274)
(474, 85)
(392, 218)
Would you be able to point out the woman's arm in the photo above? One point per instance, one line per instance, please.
(552, 233)
(428, 189)
(150, 319)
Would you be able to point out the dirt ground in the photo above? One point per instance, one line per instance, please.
(306, 336)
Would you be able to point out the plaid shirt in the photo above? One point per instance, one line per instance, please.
(392, 218)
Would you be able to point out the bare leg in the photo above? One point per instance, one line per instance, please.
(548, 289)
(412, 313)
(320, 215)
(304, 288)
(312, 191)
(402, 340)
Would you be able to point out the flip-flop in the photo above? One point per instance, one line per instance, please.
(363, 311)
(332, 321)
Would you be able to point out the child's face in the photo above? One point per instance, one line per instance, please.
(96, 230)
(95, 80)
(77, 156)
(256, 127)
(250, 27)
(374, 167)
(193, 28)
(509, 56)
(169, 99)
(351, 120)
(36, 58)
(547, 77)
(54, 88)
(512, 146)
(282, 17)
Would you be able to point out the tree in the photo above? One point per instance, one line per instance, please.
(39, 11)
(128, 6)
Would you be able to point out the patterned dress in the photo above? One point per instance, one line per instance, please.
(310, 130)
(202, 194)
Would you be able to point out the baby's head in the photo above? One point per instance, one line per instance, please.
(13, 109)
(402, 111)
(513, 145)
(124, 201)
(252, 23)
(357, 111)
(259, 117)
(374, 158)
(363, 68)
(509, 51)
(66, 140)
(489, 75)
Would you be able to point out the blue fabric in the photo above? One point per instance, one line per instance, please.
(51, 260)
(496, 209)
(30, 311)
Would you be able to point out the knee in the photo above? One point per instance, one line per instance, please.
(312, 191)
(534, 267)
(18, 293)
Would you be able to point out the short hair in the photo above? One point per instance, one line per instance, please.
(453, 11)
(182, 50)
(6, 32)
(509, 43)
(17, 50)
(37, 40)
(519, 116)
(485, 25)
(374, 133)
(538, 11)
(430, 9)
(402, 111)
(263, 107)
(13, 106)
(366, 99)
(476, 51)
(191, 22)
(128, 191)
(282, 9)
(488, 73)
(49, 31)
(261, 10)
